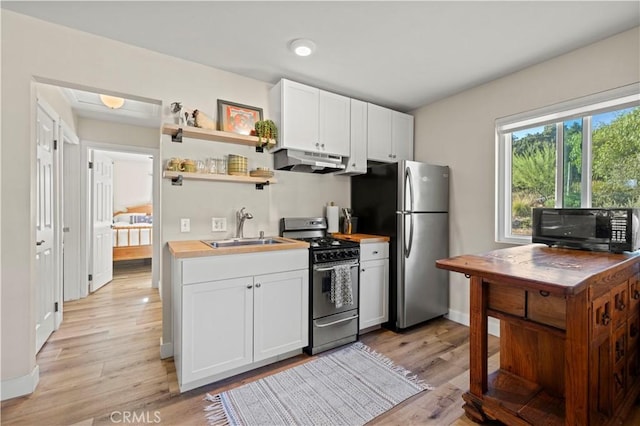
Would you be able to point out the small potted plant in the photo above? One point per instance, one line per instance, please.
(266, 129)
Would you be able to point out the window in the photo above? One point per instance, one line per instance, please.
(581, 153)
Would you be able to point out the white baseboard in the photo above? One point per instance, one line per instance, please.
(20, 386)
(166, 350)
(493, 324)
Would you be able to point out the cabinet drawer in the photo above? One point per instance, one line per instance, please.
(215, 268)
(601, 315)
(374, 251)
(634, 294)
(509, 300)
(633, 366)
(619, 345)
(620, 300)
(633, 331)
(619, 384)
(547, 309)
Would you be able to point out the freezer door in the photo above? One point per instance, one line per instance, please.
(423, 187)
(422, 289)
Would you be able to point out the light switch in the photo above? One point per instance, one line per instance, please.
(218, 224)
(185, 225)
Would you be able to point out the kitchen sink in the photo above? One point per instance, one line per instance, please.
(242, 242)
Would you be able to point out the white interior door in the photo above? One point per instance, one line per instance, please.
(45, 247)
(102, 216)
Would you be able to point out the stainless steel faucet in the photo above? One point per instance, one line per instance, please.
(241, 217)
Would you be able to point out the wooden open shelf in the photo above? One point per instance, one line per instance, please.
(214, 135)
(523, 400)
(168, 174)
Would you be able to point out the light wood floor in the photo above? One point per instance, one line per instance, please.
(103, 364)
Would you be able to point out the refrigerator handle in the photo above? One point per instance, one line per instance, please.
(408, 248)
(408, 177)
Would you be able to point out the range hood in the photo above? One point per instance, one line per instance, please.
(307, 162)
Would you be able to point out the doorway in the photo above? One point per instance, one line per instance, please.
(122, 212)
(86, 129)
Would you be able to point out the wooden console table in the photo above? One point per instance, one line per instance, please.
(569, 326)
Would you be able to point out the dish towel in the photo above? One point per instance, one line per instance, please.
(341, 291)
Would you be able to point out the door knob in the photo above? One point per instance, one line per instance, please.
(258, 285)
(39, 243)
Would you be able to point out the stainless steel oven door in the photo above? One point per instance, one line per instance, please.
(321, 283)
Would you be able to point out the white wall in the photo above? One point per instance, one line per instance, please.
(117, 133)
(460, 131)
(36, 50)
(132, 183)
(56, 100)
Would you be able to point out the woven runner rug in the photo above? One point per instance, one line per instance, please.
(347, 387)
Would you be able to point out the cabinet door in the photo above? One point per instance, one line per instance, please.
(281, 313)
(379, 133)
(402, 136)
(374, 292)
(358, 158)
(299, 125)
(217, 327)
(334, 123)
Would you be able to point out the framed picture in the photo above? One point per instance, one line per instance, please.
(237, 118)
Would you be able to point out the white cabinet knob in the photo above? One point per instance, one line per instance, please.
(258, 285)
(249, 286)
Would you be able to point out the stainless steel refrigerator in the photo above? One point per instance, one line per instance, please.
(409, 202)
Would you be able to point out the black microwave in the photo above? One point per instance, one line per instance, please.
(614, 230)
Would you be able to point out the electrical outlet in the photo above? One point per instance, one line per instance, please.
(185, 225)
(218, 224)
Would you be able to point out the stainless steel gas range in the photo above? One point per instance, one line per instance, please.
(333, 277)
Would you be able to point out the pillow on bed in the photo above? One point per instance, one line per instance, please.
(129, 218)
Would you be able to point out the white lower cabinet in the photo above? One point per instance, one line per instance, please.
(281, 313)
(226, 326)
(217, 327)
(374, 284)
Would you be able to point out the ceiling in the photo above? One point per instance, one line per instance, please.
(397, 54)
(135, 112)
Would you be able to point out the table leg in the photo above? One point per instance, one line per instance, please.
(478, 337)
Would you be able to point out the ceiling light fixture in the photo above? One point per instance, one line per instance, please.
(302, 46)
(112, 102)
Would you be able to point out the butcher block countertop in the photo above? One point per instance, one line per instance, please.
(196, 248)
(362, 238)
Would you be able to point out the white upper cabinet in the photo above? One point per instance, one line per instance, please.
(379, 133)
(401, 136)
(310, 119)
(357, 161)
(390, 135)
(335, 127)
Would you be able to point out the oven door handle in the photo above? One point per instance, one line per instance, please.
(315, 268)
(334, 322)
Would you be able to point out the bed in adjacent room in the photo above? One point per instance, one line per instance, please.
(132, 233)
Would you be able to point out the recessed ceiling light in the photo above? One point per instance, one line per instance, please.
(112, 102)
(302, 46)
